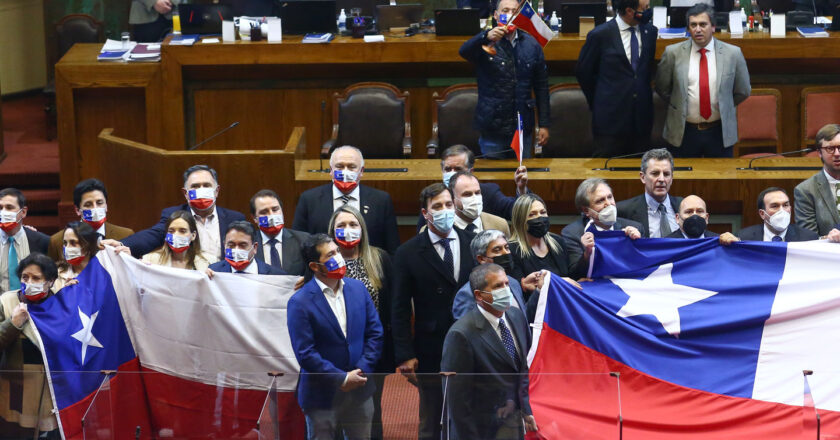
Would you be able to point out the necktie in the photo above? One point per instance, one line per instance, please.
(471, 228)
(705, 99)
(634, 48)
(344, 199)
(507, 341)
(273, 254)
(777, 238)
(448, 260)
(14, 281)
(664, 226)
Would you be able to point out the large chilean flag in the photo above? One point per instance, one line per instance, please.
(192, 354)
(688, 339)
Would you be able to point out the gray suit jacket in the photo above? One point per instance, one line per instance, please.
(143, 11)
(672, 85)
(815, 206)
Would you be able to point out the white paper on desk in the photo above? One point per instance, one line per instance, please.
(690, 3)
(374, 38)
(777, 25)
(275, 30)
(735, 25)
(660, 17)
(209, 40)
(228, 33)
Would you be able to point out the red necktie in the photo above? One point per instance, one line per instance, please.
(705, 99)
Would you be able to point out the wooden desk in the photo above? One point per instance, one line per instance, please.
(272, 88)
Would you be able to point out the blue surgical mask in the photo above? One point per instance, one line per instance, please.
(501, 299)
(443, 219)
(446, 176)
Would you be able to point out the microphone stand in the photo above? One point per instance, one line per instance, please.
(624, 156)
(781, 168)
(218, 133)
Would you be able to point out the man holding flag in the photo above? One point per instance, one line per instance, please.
(510, 65)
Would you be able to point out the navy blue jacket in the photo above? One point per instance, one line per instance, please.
(263, 269)
(147, 240)
(620, 99)
(325, 355)
(500, 78)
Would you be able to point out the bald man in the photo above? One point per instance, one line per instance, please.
(693, 219)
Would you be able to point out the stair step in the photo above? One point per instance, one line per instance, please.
(47, 224)
(43, 201)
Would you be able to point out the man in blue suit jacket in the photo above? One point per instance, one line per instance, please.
(337, 338)
(241, 251)
(201, 188)
(614, 71)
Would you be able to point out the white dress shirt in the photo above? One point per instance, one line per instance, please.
(494, 322)
(267, 247)
(654, 216)
(462, 224)
(22, 248)
(353, 196)
(336, 301)
(768, 234)
(833, 182)
(101, 230)
(454, 245)
(208, 233)
(625, 36)
(693, 110)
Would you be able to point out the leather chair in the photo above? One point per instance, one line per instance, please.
(759, 123)
(571, 124)
(452, 119)
(818, 106)
(373, 117)
(71, 29)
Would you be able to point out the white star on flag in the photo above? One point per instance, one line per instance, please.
(657, 295)
(85, 335)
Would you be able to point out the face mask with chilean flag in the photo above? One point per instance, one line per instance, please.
(270, 224)
(345, 180)
(8, 220)
(201, 198)
(94, 217)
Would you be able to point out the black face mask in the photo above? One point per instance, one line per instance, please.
(505, 261)
(694, 226)
(538, 227)
(644, 17)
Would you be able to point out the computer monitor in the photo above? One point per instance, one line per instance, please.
(304, 16)
(458, 22)
(203, 19)
(368, 7)
(570, 14)
(404, 15)
(550, 6)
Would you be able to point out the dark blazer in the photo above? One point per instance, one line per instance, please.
(706, 234)
(794, 233)
(636, 209)
(421, 276)
(147, 240)
(112, 231)
(38, 241)
(325, 355)
(263, 269)
(620, 99)
(522, 267)
(494, 202)
(315, 207)
(291, 256)
(487, 376)
(579, 266)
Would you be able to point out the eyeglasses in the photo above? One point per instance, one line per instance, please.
(830, 149)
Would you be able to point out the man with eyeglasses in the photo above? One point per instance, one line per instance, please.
(817, 199)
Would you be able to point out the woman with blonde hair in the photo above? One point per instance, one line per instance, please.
(181, 247)
(532, 246)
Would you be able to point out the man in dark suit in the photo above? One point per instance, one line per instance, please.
(428, 270)
(614, 70)
(488, 349)
(816, 201)
(693, 217)
(90, 198)
(337, 339)
(655, 210)
(774, 210)
(595, 200)
(277, 246)
(240, 252)
(201, 188)
(16, 241)
(316, 205)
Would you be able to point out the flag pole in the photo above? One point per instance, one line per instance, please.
(520, 130)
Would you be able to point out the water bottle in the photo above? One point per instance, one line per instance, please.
(342, 22)
(554, 23)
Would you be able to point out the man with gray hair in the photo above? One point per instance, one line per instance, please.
(595, 200)
(655, 210)
(316, 205)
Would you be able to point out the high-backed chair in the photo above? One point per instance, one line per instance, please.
(373, 117)
(759, 123)
(452, 119)
(818, 106)
(71, 29)
(570, 132)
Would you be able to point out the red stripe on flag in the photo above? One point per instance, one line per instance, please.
(586, 406)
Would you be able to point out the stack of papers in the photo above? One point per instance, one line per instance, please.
(183, 40)
(318, 38)
(812, 32)
(113, 50)
(149, 53)
(672, 33)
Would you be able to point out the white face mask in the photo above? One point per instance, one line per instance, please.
(72, 252)
(608, 215)
(237, 255)
(33, 289)
(780, 220)
(8, 216)
(472, 206)
(202, 193)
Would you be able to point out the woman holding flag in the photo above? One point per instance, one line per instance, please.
(181, 247)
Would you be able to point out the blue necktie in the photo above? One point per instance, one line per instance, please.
(634, 48)
(777, 238)
(507, 340)
(14, 281)
(274, 255)
(448, 260)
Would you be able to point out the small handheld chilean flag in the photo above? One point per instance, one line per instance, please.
(517, 141)
(530, 22)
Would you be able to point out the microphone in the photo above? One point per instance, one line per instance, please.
(787, 153)
(213, 136)
(639, 154)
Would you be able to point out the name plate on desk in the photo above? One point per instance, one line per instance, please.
(502, 169)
